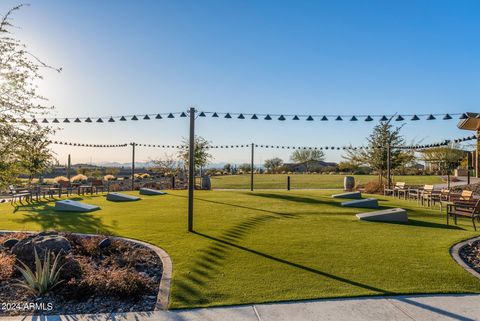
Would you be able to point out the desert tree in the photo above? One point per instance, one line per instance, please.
(166, 165)
(273, 164)
(201, 153)
(307, 156)
(20, 74)
(383, 136)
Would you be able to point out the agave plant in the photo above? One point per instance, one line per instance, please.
(46, 275)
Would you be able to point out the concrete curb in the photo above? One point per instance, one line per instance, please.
(454, 253)
(163, 296)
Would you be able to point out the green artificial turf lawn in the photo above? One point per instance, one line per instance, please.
(273, 246)
(307, 180)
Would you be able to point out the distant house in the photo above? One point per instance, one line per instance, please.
(310, 166)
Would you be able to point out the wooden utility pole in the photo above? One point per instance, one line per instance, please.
(251, 168)
(191, 169)
(133, 166)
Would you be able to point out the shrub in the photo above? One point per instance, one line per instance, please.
(373, 187)
(79, 178)
(87, 246)
(7, 266)
(109, 177)
(116, 282)
(46, 275)
(59, 179)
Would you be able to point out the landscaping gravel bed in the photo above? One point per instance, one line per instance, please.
(470, 254)
(99, 275)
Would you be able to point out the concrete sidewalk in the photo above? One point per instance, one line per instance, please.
(408, 308)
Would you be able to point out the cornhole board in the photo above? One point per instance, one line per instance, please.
(355, 195)
(151, 191)
(391, 215)
(74, 206)
(119, 197)
(365, 203)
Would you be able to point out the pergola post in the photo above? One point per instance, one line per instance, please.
(477, 158)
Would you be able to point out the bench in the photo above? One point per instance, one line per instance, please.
(427, 194)
(14, 193)
(469, 209)
(398, 188)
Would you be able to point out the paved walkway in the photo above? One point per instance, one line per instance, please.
(461, 181)
(399, 308)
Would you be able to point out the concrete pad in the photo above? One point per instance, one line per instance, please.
(355, 195)
(375, 309)
(151, 191)
(74, 206)
(439, 307)
(119, 197)
(390, 215)
(238, 313)
(364, 203)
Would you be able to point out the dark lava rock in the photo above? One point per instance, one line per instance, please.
(9, 243)
(103, 244)
(42, 242)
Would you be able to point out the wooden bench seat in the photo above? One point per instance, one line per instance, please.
(469, 209)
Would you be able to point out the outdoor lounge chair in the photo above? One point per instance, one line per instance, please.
(397, 189)
(97, 185)
(427, 193)
(67, 187)
(464, 196)
(470, 209)
(19, 194)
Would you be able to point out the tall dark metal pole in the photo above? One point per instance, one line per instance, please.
(69, 166)
(191, 169)
(251, 168)
(389, 176)
(133, 166)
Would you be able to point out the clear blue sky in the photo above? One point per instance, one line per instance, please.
(307, 57)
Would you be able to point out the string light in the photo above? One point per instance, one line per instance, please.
(255, 116)
(267, 146)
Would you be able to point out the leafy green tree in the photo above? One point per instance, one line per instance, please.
(307, 156)
(375, 157)
(34, 155)
(227, 168)
(20, 75)
(245, 167)
(201, 155)
(273, 164)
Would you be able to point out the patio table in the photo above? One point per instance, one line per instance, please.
(85, 188)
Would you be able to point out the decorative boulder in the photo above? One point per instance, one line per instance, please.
(103, 244)
(353, 195)
(119, 197)
(151, 191)
(9, 243)
(42, 242)
(365, 203)
(74, 206)
(391, 215)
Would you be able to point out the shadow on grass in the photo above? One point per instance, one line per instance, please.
(192, 287)
(296, 265)
(43, 214)
(295, 198)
